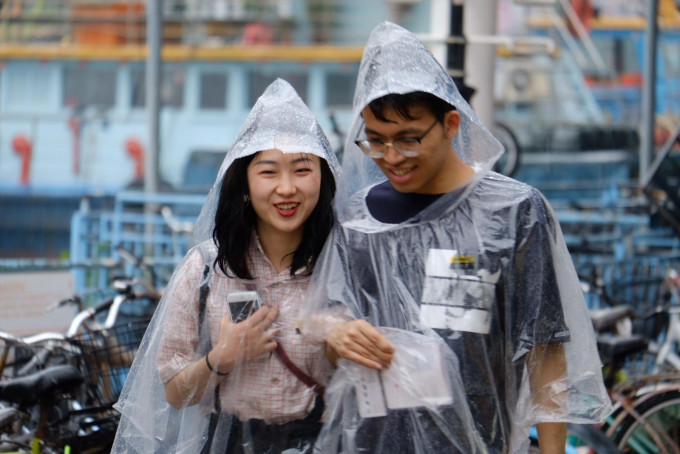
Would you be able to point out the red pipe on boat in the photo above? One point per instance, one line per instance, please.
(136, 152)
(23, 147)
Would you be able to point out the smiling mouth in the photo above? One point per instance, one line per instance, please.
(286, 206)
(287, 209)
(402, 172)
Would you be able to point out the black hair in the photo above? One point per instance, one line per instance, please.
(402, 104)
(236, 221)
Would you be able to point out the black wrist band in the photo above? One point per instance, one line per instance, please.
(221, 374)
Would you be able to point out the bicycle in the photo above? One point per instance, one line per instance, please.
(57, 406)
(669, 339)
(663, 333)
(646, 415)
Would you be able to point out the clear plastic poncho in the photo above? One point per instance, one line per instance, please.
(178, 336)
(477, 293)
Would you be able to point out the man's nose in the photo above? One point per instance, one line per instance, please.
(391, 155)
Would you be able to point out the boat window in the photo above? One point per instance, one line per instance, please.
(340, 89)
(618, 53)
(29, 86)
(259, 81)
(87, 84)
(670, 50)
(213, 90)
(172, 87)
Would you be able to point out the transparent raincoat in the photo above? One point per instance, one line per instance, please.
(477, 294)
(186, 325)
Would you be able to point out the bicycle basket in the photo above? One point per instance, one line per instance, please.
(106, 359)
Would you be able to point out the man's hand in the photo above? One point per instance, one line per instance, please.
(359, 341)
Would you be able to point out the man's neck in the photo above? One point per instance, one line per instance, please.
(456, 176)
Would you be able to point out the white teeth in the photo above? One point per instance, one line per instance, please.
(287, 206)
(400, 172)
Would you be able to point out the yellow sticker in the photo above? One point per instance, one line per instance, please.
(462, 261)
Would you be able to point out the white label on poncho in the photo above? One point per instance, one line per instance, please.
(455, 318)
(456, 295)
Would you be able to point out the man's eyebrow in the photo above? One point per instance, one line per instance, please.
(412, 130)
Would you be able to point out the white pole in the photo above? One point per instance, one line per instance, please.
(479, 18)
(648, 92)
(153, 77)
(440, 27)
(153, 63)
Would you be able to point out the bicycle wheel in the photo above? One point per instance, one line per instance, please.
(660, 428)
(508, 163)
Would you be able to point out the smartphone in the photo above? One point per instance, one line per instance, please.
(243, 304)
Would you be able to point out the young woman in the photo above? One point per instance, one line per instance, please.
(212, 376)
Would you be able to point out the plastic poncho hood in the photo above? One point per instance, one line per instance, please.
(278, 120)
(476, 292)
(395, 61)
(182, 331)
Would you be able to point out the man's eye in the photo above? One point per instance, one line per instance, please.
(407, 141)
(375, 141)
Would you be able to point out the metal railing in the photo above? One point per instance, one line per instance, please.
(96, 236)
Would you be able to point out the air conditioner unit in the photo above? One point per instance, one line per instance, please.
(526, 84)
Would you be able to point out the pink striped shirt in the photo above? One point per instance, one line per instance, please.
(261, 388)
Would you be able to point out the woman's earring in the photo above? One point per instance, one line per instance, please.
(246, 198)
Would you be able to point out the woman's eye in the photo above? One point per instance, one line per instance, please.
(303, 170)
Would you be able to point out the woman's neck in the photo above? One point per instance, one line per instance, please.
(279, 246)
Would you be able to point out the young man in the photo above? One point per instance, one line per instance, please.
(436, 250)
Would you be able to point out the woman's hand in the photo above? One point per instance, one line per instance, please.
(359, 341)
(238, 342)
(245, 340)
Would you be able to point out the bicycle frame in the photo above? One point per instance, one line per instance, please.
(666, 353)
(630, 396)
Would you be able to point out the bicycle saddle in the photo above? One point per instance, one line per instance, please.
(616, 348)
(40, 386)
(606, 318)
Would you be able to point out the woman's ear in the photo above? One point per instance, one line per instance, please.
(451, 123)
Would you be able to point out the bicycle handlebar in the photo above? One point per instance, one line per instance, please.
(111, 304)
(29, 341)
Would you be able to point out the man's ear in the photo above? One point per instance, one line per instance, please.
(451, 123)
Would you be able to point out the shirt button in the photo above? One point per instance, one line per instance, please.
(275, 381)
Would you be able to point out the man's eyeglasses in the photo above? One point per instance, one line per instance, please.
(407, 146)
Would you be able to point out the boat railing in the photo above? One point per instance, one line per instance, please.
(216, 22)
